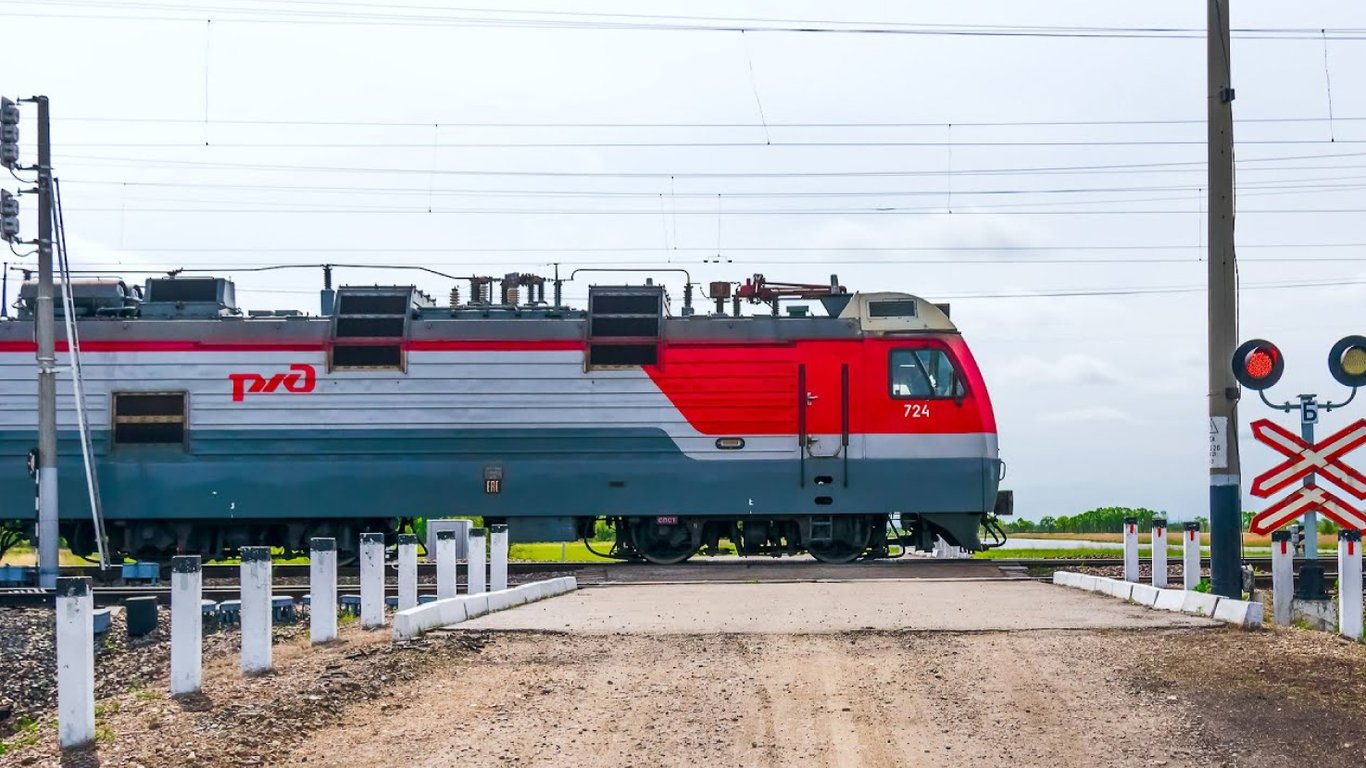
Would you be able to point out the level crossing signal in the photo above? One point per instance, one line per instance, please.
(1347, 361)
(9, 217)
(9, 133)
(1258, 364)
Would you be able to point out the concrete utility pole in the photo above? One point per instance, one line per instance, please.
(44, 328)
(1225, 509)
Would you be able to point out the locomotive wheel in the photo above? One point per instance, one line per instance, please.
(662, 544)
(847, 541)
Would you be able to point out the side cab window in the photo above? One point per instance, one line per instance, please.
(926, 373)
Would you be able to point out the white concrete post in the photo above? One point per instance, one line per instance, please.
(371, 580)
(1349, 584)
(1190, 571)
(1282, 576)
(255, 611)
(407, 571)
(187, 624)
(1160, 552)
(474, 563)
(445, 565)
(322, 585)
(1131, 549)
(75, 662)
(498, 558)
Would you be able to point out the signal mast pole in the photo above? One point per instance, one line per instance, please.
(1225, 508)
(44, 329)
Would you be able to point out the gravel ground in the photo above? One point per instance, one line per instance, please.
(1175, 573)
(28, 687)
(237, 721)
(1077, 698)
(1066, 697)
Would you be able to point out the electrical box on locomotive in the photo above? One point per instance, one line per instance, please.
(846, 426)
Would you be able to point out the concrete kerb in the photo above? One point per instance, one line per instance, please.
(1243, 613)
(1144, 595)
(1170, 600)
(1120, 589)
(1200, 603)
(414, 621)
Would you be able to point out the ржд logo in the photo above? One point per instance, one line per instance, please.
(300, 378)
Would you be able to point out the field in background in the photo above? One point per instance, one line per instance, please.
(1173, 537)
(1006, 553)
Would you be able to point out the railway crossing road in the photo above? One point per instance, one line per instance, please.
(971, 671)
(917, 605)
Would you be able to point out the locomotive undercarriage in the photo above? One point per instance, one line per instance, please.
(214, 539)
(667, 540)
(663, 540)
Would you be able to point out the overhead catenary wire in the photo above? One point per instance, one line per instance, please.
(200, 145)
(550, 125)
(341, 14)
(1043, 293)
(1184, 165)
(882, 211)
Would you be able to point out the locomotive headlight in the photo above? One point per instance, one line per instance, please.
(1258, 364)
(1347, 361)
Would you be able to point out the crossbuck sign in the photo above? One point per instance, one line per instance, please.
(1324, 459)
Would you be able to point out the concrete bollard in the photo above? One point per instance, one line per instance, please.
(445, 564)
(187, 624)
(322, 585)
(1190, 555)
(254, 615)
(1131, 549)
(1282, 576)
(474, 563)
(1349, 584)
(75, 662)
(498, 558)
(371, 580)
(407, 571)
(1160, 552)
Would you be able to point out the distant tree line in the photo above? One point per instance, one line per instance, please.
(1110, 520)
(1101, 520)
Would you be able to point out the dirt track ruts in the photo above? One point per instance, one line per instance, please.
(1059, 698)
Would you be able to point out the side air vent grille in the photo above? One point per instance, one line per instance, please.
(624, 326)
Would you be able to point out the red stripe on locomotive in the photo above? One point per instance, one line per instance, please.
(751, 389)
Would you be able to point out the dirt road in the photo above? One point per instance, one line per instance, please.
(1055, 698)
(860, 673)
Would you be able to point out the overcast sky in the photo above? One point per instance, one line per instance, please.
(961, 167)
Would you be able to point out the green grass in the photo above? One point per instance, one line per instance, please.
(25, 735)
(549, 552)
(22, 554)
(1006, 553)
(573, 552)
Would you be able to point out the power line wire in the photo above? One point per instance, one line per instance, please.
(425, 124)
(696, 144)
(144, 162)
(644, 22)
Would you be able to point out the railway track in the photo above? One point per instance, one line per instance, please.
(292, 579)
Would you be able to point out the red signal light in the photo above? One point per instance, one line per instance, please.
(1258, 364)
